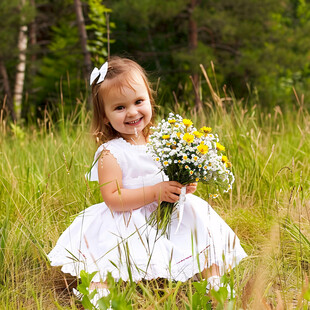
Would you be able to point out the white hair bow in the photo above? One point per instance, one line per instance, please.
(102, 72)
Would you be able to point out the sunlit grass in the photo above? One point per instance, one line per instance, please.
(42, 188)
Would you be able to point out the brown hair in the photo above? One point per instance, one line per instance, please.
(120, 74)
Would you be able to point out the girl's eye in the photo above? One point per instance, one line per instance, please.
(119, 108)
(139, 101)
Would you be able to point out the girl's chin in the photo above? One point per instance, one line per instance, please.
(133, 134)
(133, 129)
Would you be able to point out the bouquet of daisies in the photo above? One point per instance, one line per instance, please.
(187, 155)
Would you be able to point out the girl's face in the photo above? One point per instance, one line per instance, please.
(129, 110)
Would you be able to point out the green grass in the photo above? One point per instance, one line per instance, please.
(42, 188)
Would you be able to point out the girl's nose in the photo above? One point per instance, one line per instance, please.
(132, 111)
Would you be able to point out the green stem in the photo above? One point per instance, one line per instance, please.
(161, 217)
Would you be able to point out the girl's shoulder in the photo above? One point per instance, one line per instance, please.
(124, 152)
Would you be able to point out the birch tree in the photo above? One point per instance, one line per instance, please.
(21, 66)
(83, 38)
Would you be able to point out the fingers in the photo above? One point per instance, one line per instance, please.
(171, 190)
(175, 184)
(176, 190)
(191, 188)
(172, 198)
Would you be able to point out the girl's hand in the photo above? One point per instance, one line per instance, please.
(191, 188)
(168, 191)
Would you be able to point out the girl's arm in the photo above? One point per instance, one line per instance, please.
(118, 198)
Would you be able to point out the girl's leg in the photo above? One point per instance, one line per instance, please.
(212, 275)
(213, 270)
(94, 285)
(102, 291)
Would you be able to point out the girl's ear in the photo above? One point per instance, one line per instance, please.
(106, 121)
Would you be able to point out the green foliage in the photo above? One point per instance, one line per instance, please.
(97, 31)
(17, 131)
(199, 299)
(12, 16)
(117, 299)
(7, 21)
(302, 242)
(307, 294)
(59, 79)
(259, 45)
(83, 288)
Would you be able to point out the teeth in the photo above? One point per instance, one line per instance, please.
(134, 122)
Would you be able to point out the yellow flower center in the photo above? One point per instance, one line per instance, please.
(205, 129)
(188, 138)
(187, 122)
(165, 137)
(198, 134)
(202, 148)
(172, 121)
(220, 147)
(224, 159)
(228, 164)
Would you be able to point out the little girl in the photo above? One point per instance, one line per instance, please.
(114, 235)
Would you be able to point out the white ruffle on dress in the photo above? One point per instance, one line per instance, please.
(125, 245)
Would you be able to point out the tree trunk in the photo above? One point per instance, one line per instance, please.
(20, 70)
(7, 90)
(193, 42)
(83, 38)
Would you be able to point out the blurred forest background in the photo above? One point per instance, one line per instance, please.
(260, 49)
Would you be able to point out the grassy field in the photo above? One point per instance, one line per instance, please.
(42, 188)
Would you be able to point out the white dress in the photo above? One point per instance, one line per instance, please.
(125, 245)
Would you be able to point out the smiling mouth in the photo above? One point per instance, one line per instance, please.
(134, 122)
